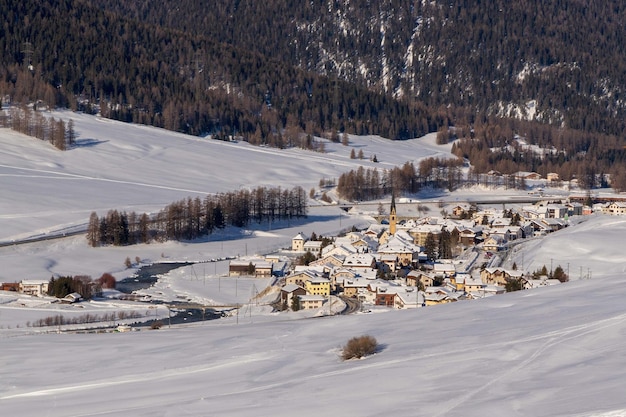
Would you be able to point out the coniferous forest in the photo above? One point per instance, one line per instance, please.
(194, 218)
(278, 73)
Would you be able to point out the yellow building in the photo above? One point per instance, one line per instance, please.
(317, 286)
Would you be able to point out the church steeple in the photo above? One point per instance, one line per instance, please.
(392, 215)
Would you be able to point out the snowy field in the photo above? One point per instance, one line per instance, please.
(554, 351)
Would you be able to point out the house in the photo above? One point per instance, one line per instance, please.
(440, 295)
(240, 267)
(552, 177)
(330, 260)
(263, 269)
(34, 287)
(301, 277)
(250, 267)
(460, 210)
(574, 209)
(308, 302)
(360, 261)
(353, 286)
(499, 276)
(494, 243)
(289, 291)
(469, 236)
(339, 249)
(313, 246)
(614, 208)
(10, 286)
(409, 298)
(72, 298)
(444, 269)
(556, 211)
(384, 298)
(297, 243)
(388, 262)
(317, 286)
(401, 245)
(542, 281)
(421, 232)
(414, 277)
(527, 175)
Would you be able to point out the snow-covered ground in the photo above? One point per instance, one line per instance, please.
(553, 351)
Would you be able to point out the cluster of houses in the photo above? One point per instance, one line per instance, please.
(386, 265)
(36, 288)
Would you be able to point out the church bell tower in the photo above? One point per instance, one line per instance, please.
(392, 216)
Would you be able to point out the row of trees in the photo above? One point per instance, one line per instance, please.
(193, 217)
(33, 123)
(369, 184)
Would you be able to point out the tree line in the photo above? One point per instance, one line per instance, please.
(370, 184)
(509, 145)
(193, 218)
(33, 123)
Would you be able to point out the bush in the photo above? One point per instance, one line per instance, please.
(156, 325)
(357, 347)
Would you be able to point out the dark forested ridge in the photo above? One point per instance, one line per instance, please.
(568, 55)
(93, 60)
(273, 71)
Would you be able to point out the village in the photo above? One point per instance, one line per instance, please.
(405, 258)
(412, 262)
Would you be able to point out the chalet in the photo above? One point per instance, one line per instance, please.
(614, 208)
(34, 287)
(469, 236)
(440, 295)
(409, 298)
(72, 298)
(300, 278)
(552, 177)
(494, 243)
(542, 281)
(527, 175)
(499, 276)
(460, 210)
(414, 277)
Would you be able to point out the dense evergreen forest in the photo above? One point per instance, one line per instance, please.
(279, 72)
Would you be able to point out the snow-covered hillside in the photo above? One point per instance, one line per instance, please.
(553, 351)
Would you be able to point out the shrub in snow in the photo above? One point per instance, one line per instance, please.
(357, 347)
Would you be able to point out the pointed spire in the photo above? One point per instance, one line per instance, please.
(392, 215)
